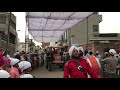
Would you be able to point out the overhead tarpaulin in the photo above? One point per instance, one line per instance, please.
(50, 26)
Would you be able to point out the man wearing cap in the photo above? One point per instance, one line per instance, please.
(13, 71)
(110, 64)
(81, 52)
(76, 67)
(25, 67)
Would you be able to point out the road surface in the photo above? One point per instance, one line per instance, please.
(42, 72)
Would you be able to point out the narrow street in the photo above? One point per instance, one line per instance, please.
(42, 72)
(87, 42)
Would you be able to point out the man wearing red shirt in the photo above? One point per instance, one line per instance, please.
(71, 70)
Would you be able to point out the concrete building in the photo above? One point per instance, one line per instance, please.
(106, 40)
(80, 33)
(86, 34)
(30, 46)
(4, 22)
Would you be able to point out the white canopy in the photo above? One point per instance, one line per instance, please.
(49, 26)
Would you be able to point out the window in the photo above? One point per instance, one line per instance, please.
(12, 24)
(95, 28)
(12, 38)
(2, 18)
(3, 36)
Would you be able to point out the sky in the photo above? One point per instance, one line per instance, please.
(110, 24)
(21, 27)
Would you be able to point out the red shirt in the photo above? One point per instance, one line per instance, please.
(71, 70)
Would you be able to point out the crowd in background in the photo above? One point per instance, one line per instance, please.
(22, 63)
(109, 61)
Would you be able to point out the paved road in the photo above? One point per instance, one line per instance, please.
(42, 72)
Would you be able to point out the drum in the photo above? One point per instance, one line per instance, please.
(94, 63)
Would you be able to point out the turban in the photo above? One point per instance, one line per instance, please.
(14, 61)
(81, 49)
(4, 74)
(26, 76)
(71, 50)
(24, 65)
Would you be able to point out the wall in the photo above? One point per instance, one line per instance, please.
(80, 29)
(11, 47)
(112, 44)
(4, 28)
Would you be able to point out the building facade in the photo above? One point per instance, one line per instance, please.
(86, 34)
(80, 33)
(106, 40)
(29, 46)
(4, 23)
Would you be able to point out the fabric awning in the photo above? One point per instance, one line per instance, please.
(50, 26)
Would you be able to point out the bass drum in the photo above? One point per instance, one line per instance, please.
(94, 63)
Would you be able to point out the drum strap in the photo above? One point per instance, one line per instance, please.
(79, 67)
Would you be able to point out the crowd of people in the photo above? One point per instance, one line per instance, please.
(18, 66)
(79, 67)
(76, 65)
